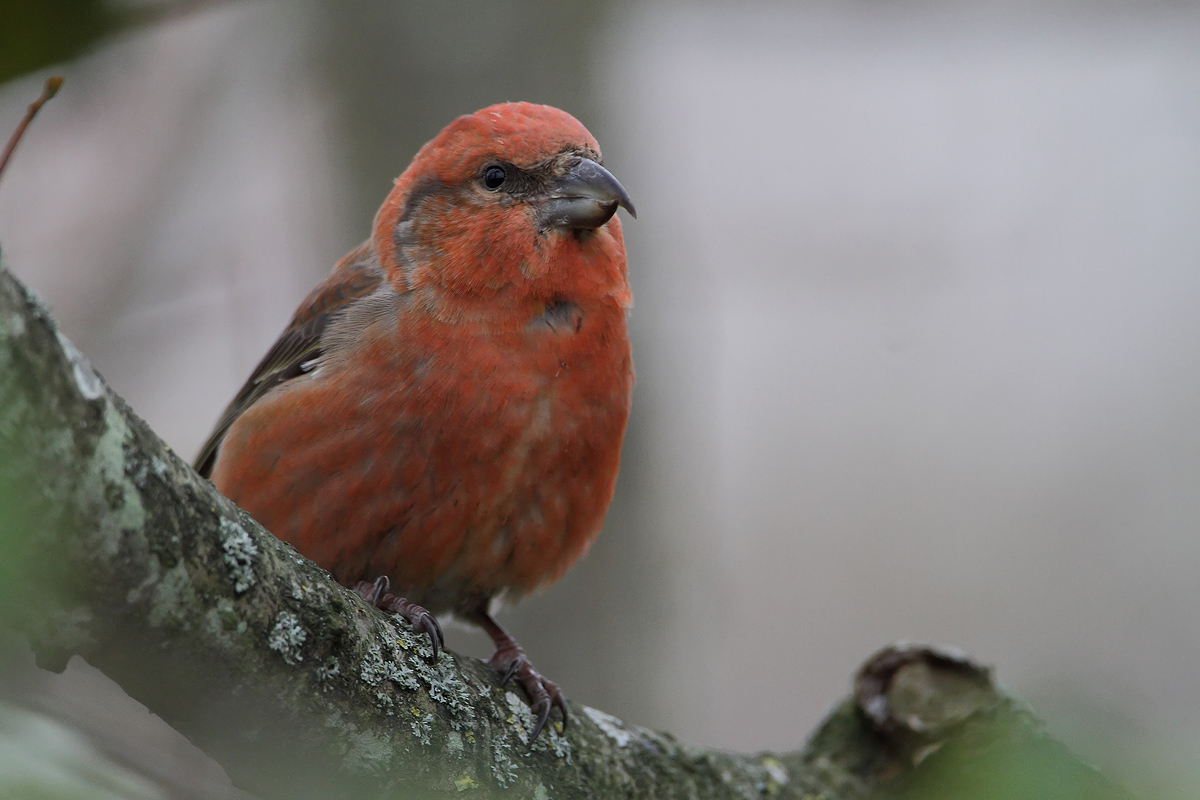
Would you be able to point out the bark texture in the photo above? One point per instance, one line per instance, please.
(112, 548)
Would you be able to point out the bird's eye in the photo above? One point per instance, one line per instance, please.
(493, 177)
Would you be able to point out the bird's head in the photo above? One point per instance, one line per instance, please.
(510, 202)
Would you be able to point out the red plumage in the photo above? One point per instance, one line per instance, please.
(447, 408)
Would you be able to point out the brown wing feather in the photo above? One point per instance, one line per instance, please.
(355, 277)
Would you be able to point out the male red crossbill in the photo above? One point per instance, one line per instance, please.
(444, 413)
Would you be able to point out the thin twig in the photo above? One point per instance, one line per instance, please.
(51, 88)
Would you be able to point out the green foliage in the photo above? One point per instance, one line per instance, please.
(37, 33)
(1007, 759)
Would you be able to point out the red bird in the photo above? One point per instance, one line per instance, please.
(444, 414)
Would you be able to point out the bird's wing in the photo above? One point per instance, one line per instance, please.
(299, 346)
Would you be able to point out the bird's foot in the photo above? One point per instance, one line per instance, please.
(512, 663)
(376, 593)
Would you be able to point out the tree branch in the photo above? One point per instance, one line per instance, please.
(115, 550)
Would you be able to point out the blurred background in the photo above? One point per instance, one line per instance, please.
(917, 319)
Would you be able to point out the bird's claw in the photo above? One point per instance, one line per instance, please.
(544, 694)
(433, 629)
(376, 593)
(510, 672)
(373, 591)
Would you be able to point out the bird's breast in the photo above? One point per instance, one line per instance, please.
(464, 464)
(521, 433)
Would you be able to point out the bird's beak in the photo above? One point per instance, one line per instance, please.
(585, 197)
